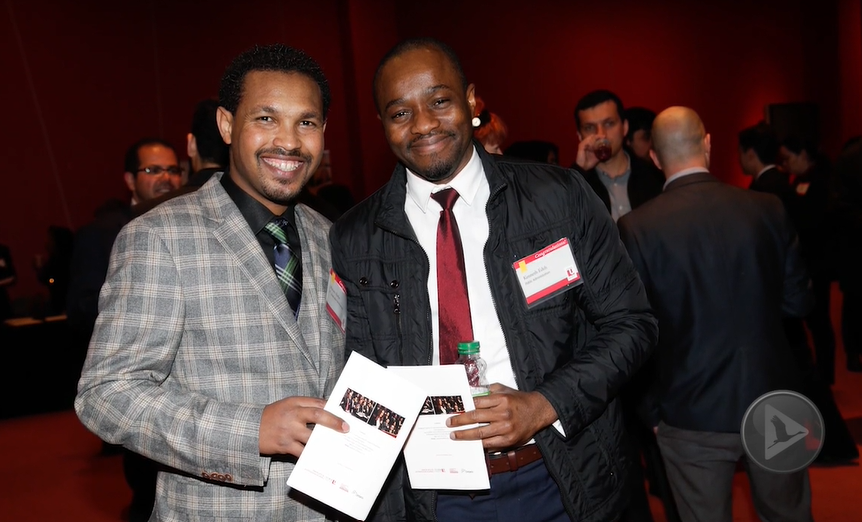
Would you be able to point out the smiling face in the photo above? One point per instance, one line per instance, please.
(275, 136)
(426, 113)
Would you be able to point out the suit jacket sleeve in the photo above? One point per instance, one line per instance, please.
(615, 304)
(647, 408)
(121, 394)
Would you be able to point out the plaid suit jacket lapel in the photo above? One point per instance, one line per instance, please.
(233, 232)
(322, 337)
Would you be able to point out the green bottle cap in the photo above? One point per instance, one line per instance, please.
(468, 348)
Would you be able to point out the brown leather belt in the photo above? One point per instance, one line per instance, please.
(512, 460)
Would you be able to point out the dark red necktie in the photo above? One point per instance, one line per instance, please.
(454, 305)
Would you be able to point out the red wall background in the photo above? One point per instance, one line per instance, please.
(83, 80)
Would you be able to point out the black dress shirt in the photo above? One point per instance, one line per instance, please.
(258, 216)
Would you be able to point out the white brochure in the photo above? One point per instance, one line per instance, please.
(346, 470)
(434, 461)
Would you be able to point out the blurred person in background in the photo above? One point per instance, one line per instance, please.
(488, 128)
(811, 174)
(639, 135)
(538, 151)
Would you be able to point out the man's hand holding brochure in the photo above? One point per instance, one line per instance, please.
(346, 470)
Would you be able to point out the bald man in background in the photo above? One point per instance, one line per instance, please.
(721, 267)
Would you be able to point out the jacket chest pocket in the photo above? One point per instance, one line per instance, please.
(559, 303)
(380, 289)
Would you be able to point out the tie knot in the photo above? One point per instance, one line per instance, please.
(446, 198)
(276, 229)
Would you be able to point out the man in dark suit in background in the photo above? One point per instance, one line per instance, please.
(208, 154)
(622, 180)
(758, 154)
(721, 266)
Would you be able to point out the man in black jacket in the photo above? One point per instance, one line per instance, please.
(557, 364)
(721, 266)
(622, 180)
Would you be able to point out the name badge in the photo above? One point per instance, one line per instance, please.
(548, 272)
(336, 300)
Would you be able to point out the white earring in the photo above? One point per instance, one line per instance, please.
(476, 121)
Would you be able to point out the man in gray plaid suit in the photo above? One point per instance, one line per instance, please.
(211, 355)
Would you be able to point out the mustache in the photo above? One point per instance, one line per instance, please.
(281, 151)
(431, 135)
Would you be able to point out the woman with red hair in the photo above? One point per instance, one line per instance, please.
(488, 128)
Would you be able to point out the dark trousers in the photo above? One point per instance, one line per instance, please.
(526, 494)
(819, 323)
(838, 446)
(700, 466)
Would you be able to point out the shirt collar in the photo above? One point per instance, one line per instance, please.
(622, 177)
(466, 183)
(683, 173)
(764, 169)
(254, 212)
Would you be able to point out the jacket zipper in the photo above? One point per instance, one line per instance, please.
(488, 280)
(396, 304)
(551, 472)
(396, 309)
(427, 309)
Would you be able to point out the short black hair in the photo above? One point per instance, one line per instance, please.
(413, 44)
(797, 144)
(276, 58)
(133, 158)
(762, 139)
(598, 97)
(639, 118)
(211, 146)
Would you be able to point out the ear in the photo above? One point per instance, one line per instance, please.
(225, 124)
(471, 98)
(130, 181)
(625, 128)
(324, 125)
(655, 160)
(707, 147)
(191, 145)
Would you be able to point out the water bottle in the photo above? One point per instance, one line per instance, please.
(475, 366)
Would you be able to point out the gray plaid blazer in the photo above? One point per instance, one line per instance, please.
(194, 337)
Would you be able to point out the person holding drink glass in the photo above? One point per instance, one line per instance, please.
(621, 179)
(624, 181)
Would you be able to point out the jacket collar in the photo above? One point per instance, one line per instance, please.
(231, 229)
(391, 215)
(690, 179)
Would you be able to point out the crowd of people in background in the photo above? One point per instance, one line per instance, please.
(645, 170)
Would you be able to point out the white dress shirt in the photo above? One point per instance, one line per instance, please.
(764, 169)
(469, 210)
(682, 173)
